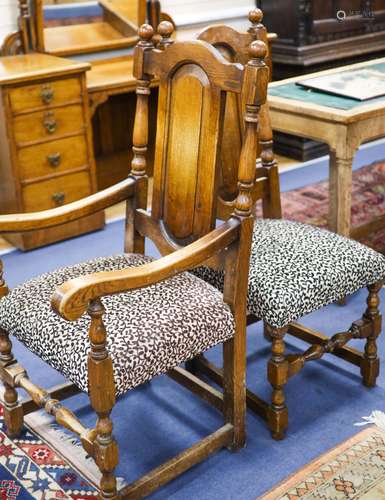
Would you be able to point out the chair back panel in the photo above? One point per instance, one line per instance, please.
(234, 47)
(190, 120)
(184, 209)
(194, 79)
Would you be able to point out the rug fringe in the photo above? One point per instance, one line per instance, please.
(67, 445)
(376, 417)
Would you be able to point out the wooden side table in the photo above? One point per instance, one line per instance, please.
(46, 154)
(343, 124)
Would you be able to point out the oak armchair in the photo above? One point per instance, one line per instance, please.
(295, 268)
(99, 333)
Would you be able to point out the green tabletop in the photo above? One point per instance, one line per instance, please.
(293, 91)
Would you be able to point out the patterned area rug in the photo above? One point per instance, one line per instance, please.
(32, 468)
(310, 204)
(353, 470)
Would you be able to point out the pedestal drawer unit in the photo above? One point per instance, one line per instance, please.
(46, 151)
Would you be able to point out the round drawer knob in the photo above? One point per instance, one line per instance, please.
(59, 198)
(54, 159)
(47, 94)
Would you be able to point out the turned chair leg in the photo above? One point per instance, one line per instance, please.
(106, 457)
(277, 373)
(370, 365)
(102, 397)
(13, 411)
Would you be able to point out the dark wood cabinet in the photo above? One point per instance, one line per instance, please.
(321, 34)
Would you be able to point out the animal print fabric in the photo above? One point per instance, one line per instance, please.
(149, 330)
(296, 269)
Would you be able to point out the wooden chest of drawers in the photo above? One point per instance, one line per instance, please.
(46, 152)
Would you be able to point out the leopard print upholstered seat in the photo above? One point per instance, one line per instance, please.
(150, 330)
(296, 269)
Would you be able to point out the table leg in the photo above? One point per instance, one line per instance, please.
(340, 191)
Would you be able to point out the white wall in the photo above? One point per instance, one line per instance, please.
(198, 11)
(8, 17)
(184, 12)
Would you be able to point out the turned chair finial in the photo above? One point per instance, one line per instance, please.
(255, 16)
(257, 29)
(145, 32)
(258, 50)
(165, 30)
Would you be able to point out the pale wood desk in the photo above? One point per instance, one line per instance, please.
(344, 131)
(111, 90)
(46, 151)
(109, 77)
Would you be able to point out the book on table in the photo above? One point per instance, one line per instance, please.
(359, 84)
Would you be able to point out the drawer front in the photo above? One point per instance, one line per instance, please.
(52, 157)
(48, 124)
(56, 192)
(44, 94)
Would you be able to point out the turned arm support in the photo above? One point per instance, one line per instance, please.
(70, 212)
(71, 299)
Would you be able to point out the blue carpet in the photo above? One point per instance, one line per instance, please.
(160, 419)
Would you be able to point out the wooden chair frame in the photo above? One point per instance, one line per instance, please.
(226, 247)
(282, 367)
(233, 45)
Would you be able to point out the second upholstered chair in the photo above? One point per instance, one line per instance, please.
(295, 269)
(113, 323)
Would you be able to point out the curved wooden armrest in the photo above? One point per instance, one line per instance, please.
(67, 213)
(71, 299)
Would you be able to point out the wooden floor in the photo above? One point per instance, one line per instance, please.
(117, 212)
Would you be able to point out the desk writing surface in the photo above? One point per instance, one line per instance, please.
(73, 39)
(295, 106)
(111, 74)
(293, 91)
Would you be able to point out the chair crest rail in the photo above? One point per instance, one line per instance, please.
(227, 76)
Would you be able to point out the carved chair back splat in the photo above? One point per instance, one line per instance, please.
(234, 46)
(194, 80)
